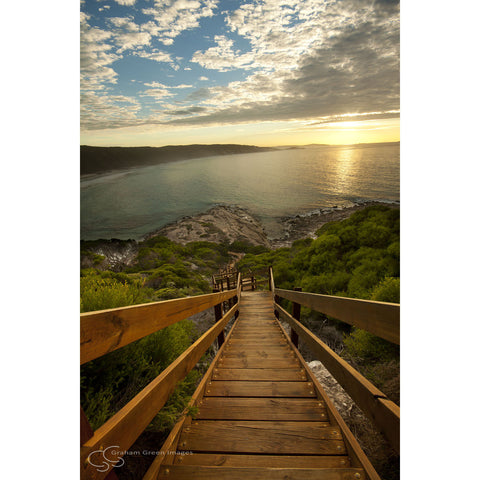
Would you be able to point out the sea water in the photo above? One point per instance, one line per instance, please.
(272, 185)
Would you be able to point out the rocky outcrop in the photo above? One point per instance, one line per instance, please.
(220, 224)
(108, 254)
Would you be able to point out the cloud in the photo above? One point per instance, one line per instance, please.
(222, 57)
(154, 54)
(200, 94)
(106, 111)
(95, 57)
(161, 85)
(126, 2)
(171, 18)
(157, 93)
(203, 79)
(127, 34)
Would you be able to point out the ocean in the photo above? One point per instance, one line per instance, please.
(272, 185)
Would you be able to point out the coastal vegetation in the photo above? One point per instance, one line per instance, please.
(357, 257)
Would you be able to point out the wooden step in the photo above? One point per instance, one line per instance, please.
(191, 472)
(259, 352)
(282, 437)
(276, 461)
(229, 362)
(238, 408)
(252, 348)
(260, 374)
(259, 389)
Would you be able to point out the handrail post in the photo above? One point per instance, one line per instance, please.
(276, 298)
(296, 315)
(218, 316)
(230, 301)
(236, 298)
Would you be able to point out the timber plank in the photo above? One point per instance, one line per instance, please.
(282, 348)
(256, 343)
(260, 374)
(277, 461)
(254, 363)
(266, 336)
(256, 330)
(189, 472)
(380, 318)
(288, 409)
(259, 389)
(315, 438)
(258, 356)
(104, 331)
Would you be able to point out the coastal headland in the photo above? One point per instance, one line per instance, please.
(106, 159)
(222, 224)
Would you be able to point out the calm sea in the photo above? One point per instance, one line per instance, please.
(272, 185)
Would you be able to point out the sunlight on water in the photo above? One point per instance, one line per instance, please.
(270, 184)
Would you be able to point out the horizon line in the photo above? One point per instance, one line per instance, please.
(242, 144)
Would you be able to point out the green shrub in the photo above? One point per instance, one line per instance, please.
(361, 344)
(109, 382)
(387, 290)
(98, 292)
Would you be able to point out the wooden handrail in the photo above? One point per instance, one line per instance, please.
(382, 411)
(104, 331)
(128, 423)
(380, 318)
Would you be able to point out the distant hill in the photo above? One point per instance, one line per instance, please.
(104, 159)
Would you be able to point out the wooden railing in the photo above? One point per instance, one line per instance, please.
(107, 330)
(379, 318)
(225, 280)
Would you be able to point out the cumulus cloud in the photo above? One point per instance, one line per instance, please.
(126, 2)
(171, 18)
(322, 61)
(161, 85)
(96, 57)
(154, 54)
(222, 57)
(107, 111)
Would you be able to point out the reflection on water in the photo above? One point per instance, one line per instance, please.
(344, 167)
(270, 184)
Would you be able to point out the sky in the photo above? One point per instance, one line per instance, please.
(264, 72)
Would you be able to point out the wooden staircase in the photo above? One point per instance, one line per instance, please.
(261, 413)
(258, 412)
